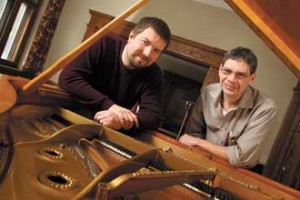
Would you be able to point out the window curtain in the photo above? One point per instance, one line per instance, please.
(38, 52)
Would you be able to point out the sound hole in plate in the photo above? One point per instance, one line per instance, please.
(57, 180)
(51, 153)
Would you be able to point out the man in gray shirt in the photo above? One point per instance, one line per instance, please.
(231, 118)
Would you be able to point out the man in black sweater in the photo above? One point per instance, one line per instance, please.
(114, 75)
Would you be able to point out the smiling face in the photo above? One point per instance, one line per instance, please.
(235, 77)
(143, 49)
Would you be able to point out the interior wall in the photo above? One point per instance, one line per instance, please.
(193, 20)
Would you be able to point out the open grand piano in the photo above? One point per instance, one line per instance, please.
(51, 153)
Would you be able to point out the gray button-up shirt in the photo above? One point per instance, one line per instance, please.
(241, 130)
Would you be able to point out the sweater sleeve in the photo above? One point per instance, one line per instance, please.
(149, 113)
(76, 78)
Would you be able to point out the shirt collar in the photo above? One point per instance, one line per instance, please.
(245, 102)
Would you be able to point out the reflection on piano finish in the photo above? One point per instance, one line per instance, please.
(79, 159)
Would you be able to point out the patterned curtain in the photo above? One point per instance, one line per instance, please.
(42, 41)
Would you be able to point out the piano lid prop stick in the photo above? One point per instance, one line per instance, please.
(32, 85)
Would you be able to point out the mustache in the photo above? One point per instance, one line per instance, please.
(141, 55)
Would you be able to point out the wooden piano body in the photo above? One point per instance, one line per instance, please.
(51, 153)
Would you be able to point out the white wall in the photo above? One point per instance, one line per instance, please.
(189, 19)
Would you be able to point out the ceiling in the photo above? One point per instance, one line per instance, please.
(215, 3)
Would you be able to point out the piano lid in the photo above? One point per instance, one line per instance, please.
(277, 23)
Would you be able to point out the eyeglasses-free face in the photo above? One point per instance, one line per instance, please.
(143, 49)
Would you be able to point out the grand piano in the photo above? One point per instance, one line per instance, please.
(48, 152)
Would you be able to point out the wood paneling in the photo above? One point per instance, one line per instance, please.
(284, 161)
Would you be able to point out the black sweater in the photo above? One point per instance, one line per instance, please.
(98, 79)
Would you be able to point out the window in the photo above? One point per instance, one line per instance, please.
(16, 20)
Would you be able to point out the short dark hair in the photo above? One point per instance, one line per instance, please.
(242, 53)
(160, 27)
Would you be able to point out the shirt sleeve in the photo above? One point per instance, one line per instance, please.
(248, 148)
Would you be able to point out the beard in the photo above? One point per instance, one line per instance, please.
(138, 60)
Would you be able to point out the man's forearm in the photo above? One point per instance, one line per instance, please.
(214, 149)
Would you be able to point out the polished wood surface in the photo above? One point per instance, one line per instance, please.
(9, 97)
(41, 142)
(53, 158)
(207, 160)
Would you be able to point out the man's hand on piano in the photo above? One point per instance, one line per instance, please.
(127, 118)
(117, 117)
(109, 119)
(214, 149)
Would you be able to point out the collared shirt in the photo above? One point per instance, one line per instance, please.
(241, 129)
